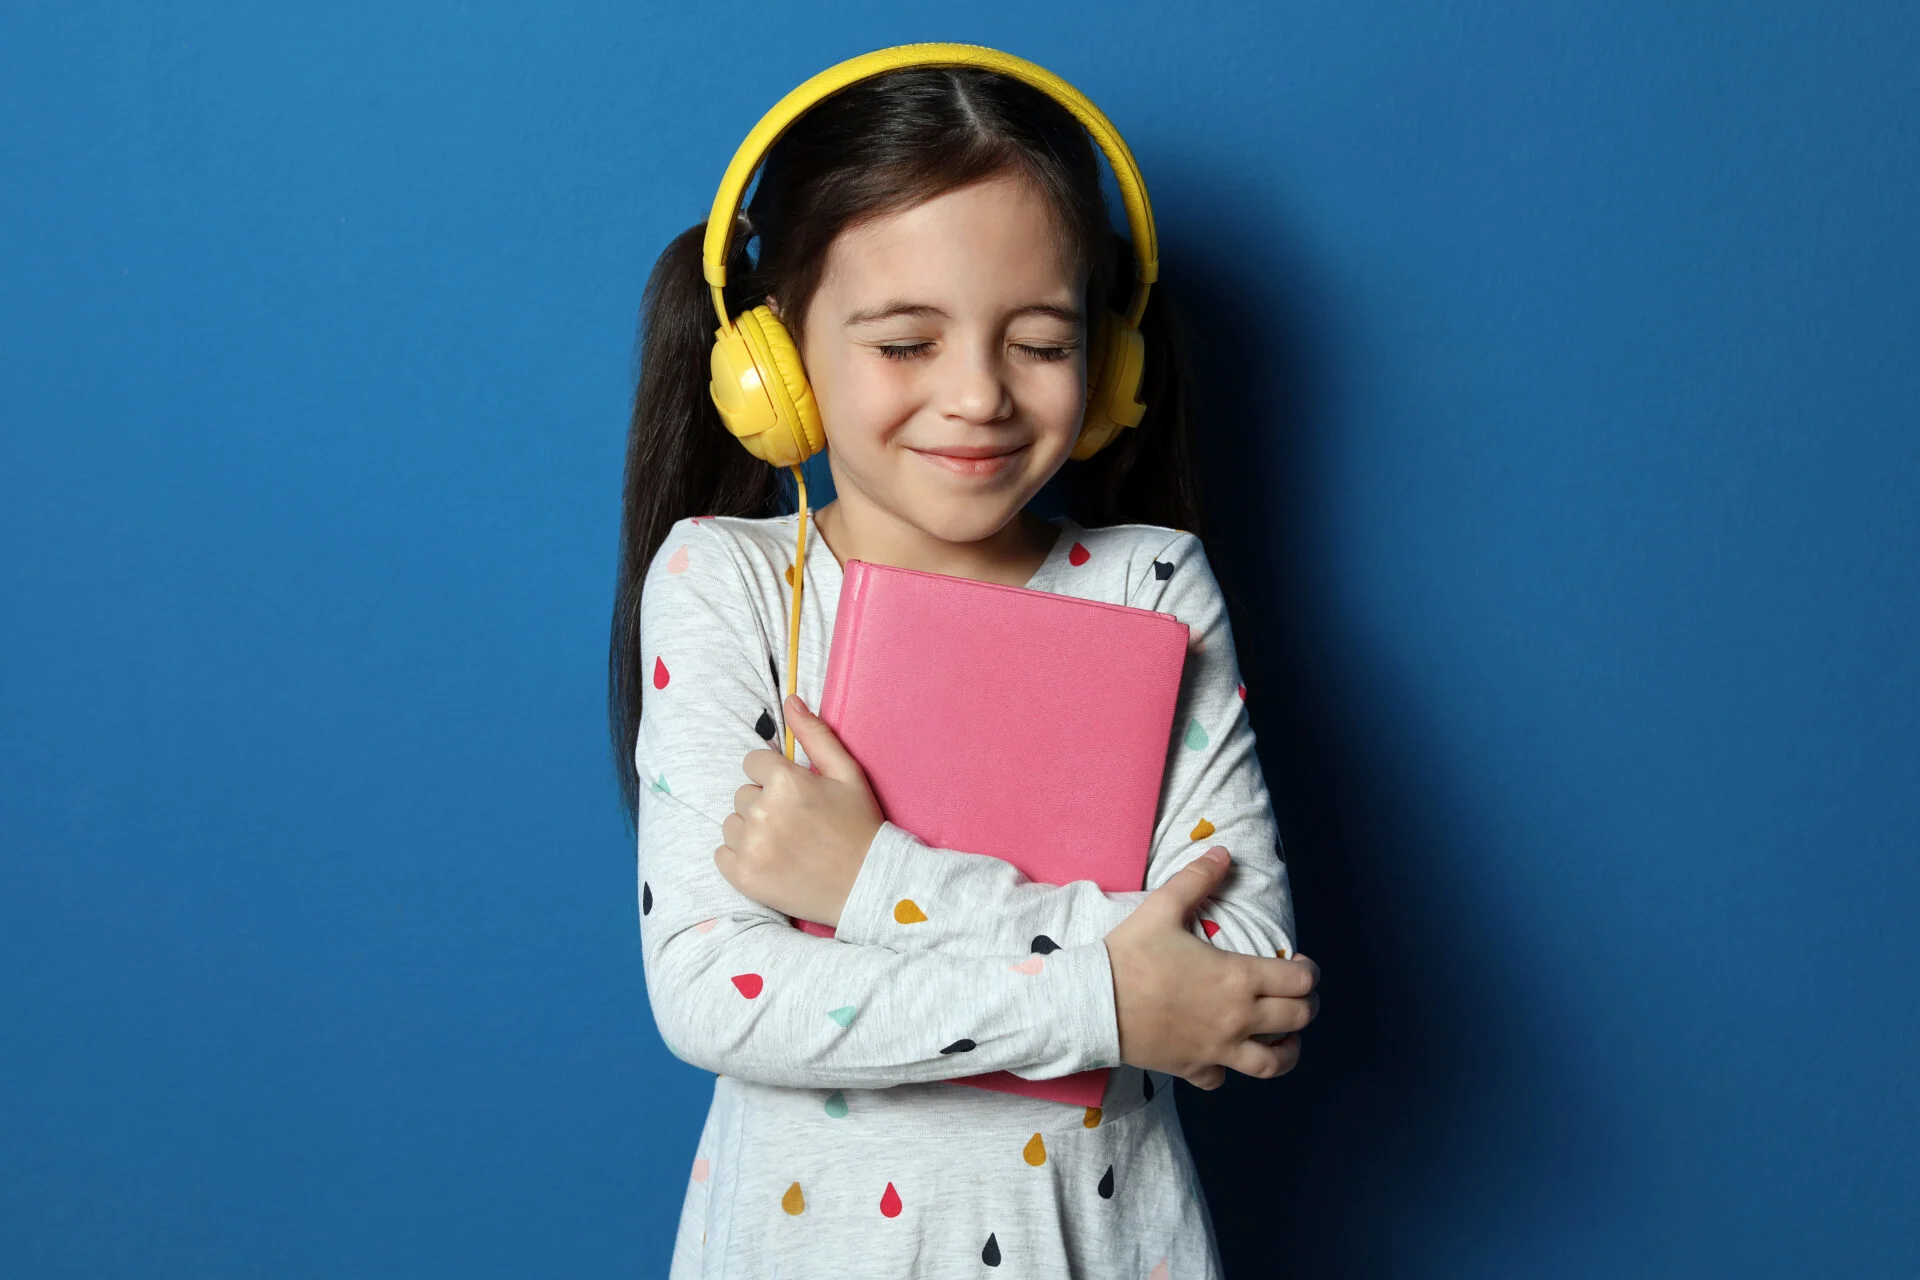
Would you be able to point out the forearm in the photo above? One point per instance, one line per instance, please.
(736, 990)
(911, 896)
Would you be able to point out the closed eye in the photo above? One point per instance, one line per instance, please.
(908, 350)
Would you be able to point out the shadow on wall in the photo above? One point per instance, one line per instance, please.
(1424, 1089)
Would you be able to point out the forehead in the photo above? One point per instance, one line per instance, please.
(988, 241)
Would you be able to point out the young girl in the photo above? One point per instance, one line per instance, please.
(935, 240)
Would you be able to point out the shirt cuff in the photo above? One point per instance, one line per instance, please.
(1079, 993)
(866, 918)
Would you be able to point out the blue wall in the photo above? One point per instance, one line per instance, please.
(1564, 362)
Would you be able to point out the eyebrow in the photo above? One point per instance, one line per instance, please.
(889, 310)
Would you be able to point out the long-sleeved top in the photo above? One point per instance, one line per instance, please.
(834, 1144)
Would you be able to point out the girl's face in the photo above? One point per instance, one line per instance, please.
(946, 350)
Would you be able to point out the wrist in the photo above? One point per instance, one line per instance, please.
(851, 877)
(867, 909)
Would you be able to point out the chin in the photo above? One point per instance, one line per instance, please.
(967, 517)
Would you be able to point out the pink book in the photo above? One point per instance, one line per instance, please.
(1027, 725)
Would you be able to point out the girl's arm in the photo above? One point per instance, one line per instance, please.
(735, 988)
(1213, 792)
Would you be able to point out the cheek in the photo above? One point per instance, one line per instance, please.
(861, 393)
(1057, 393)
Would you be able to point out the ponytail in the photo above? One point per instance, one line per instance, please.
(1148, 473)
(681, 461)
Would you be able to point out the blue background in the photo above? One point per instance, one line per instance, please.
(1562, 362)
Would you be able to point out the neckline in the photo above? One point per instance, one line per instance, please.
(836, 572)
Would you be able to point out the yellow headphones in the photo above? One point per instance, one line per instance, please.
(759, 384)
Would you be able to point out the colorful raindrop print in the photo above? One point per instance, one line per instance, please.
(991, 1254)
(764, 726)
(677, 562)
(1106, 1184)
(659, 672)
(749, 984)
(890, 1202)
(1201, 830)
(1078, 555)
(1163, 569)
(844, 1014)
(961, 1045)
(1035, 1152)
(1044, 945)
(646, 898)
(1032, 964)
(837, 1105)
(793, 1202)
(1092, 1118)
(1196, 736)
(907, 911)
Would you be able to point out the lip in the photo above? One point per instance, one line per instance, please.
(976, 461)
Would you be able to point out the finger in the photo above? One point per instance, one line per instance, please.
(1282, 1015)
(1210, 1077)
(1188, 887)
(762, 764)
(1274, 977)
(824, 748)
(745, 798)
(1264, 1061)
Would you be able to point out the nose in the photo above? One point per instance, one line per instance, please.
(976, 387)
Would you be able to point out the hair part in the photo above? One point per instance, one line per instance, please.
(875, 148)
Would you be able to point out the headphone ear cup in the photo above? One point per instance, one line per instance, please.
(760, 388)
(738, 392)
(1114, 369)
(785, 377)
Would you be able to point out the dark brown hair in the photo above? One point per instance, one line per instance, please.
(874, 148)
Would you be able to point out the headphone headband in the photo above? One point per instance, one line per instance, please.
(733, 187)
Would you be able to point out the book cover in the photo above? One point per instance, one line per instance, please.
(1026, 725)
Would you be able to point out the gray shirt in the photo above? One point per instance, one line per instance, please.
(834, 1145)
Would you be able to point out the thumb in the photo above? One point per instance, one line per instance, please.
(1188, 887)
(829, 758)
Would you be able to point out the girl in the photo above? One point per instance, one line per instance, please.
(935, 240)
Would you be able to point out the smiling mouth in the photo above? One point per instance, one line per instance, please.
(971, 466)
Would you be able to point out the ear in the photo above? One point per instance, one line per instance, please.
(773, 305)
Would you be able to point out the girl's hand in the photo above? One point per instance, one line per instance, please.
(798, 837)
(1189, 1009)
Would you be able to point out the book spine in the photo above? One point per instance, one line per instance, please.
(846, 631)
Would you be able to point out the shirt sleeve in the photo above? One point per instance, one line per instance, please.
(738, 990)
(1212, 793)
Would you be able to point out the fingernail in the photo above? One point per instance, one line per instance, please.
(1218, 853)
